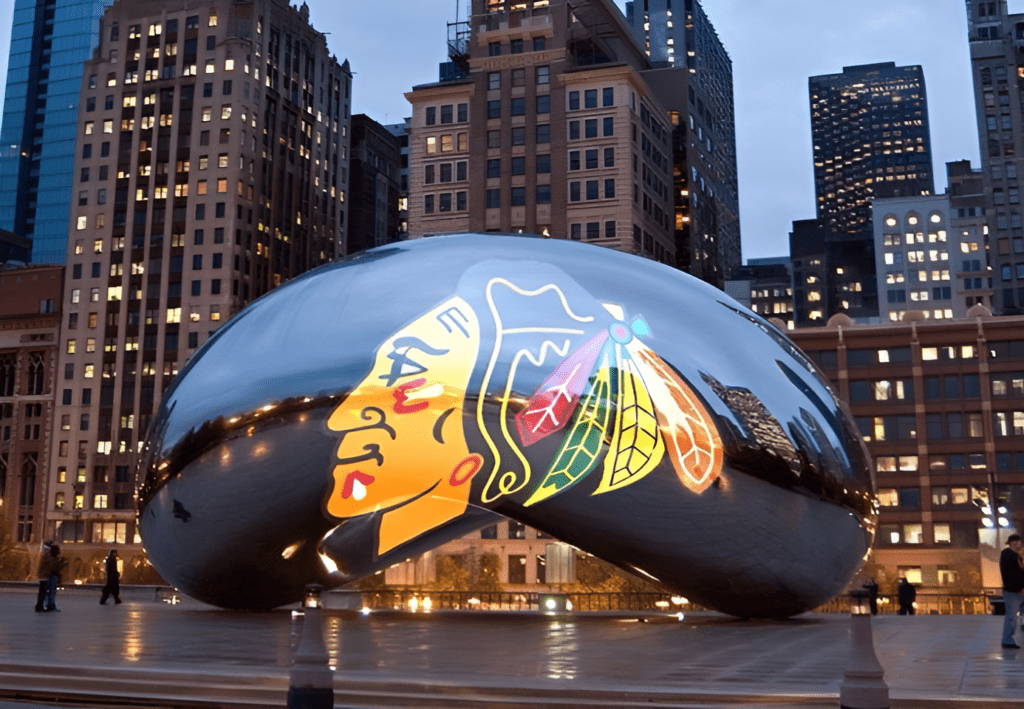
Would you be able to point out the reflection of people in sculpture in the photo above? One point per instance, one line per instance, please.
(402, 450)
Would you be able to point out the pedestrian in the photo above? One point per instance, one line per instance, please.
(872, 588)
(57, 564)
(43, 574)
(1011, 568)
(906, 594)
(112, 587)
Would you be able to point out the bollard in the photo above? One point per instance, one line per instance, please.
(863, 686)
(311, 680)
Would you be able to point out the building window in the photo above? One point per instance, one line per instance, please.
(494, 167)
(519, 136)
(543, 134)
(574, 100)
(519, 166)
(592, 190)
(593, 230)
(428, 204)
(543, 194)
(493, 199)
(590, 98)
(494, 49)
(574, 191)
(517, 106)
(544, 103)
(574, 130)
(494, 109)
(608, 97)
(574, 232)
(543, 164)
(518, 196)
(590, 128)
(515, 46)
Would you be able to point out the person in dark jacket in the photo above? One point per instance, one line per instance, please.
(906, 594)
(112, 587)
(1011, 568)
(872, 588)
(56, 568)
(43, 574)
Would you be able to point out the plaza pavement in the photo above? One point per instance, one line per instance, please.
(146, 653)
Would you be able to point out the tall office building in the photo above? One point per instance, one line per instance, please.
(211, 166)
(373, 185)
(997, 42)
(871, 139)
(30, 313)
(553, 131)
(49, 42)
(705, 140)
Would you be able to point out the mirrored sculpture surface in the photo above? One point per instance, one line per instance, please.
(380, 407)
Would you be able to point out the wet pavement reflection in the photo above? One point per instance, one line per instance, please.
(924, 655)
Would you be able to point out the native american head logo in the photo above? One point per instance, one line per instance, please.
(569, 388)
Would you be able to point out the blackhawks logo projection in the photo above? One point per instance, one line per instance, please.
(430, 430)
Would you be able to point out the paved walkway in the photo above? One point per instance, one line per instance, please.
(148, 653)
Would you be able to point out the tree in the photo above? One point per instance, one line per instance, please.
(451, 574)
(596, 576)
(14, 559)
(488, 577)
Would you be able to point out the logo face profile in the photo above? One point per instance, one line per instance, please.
(437, 424)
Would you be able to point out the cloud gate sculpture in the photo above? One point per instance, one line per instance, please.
(377, 408)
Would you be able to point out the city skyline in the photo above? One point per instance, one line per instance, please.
(771, 73)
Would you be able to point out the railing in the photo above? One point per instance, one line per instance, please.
(521, 601)
(926, 604)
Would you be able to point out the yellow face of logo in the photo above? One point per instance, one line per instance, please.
(402, 449)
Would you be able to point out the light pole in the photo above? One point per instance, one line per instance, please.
(311, 680)
(863, 685)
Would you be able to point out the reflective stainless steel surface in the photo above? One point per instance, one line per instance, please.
(377, 408)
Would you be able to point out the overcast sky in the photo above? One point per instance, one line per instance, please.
(775, 45)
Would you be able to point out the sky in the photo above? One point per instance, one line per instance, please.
(775, 46)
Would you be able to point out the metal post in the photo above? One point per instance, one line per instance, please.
(863, 686)
(311, 680)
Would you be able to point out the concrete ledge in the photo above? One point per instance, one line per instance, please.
(174, 689)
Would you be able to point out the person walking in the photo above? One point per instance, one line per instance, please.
(44, 571)
(906, 594)
(1011, 568)
(57, 564)
(112, 587)
(872, 588)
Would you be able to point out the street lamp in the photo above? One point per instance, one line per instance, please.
(863, 686)
(311, 681)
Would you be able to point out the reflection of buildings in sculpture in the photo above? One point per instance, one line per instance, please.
(30, 299)
(530, 560)
(211, 167)
(940, 405)
(759, 426)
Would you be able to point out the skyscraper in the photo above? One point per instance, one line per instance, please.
(212, 166)
(871, 139)
(997, 41)
(49, 42)
(553, 131)
(707, 215)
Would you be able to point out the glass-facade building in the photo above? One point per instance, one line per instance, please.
(49, 42)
